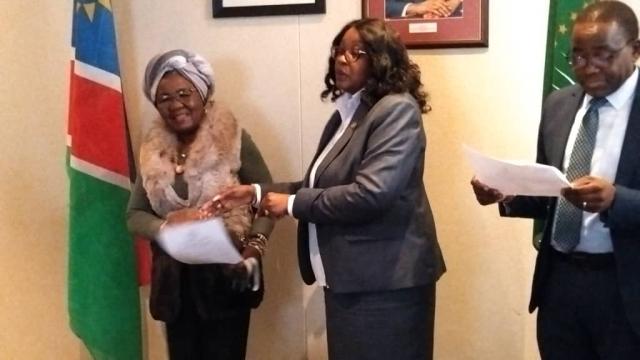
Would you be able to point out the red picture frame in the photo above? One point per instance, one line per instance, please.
(468, 27)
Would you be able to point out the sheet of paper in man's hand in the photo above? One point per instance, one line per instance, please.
(516, 178)
(199, 242)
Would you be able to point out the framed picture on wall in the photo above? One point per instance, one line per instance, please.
(236, 8)
(434, 23)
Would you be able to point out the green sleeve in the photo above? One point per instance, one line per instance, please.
(253, 170)
(141, 219)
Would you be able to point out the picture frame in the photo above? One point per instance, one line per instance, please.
(241, 8)
(467, 25)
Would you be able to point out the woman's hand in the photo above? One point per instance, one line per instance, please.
(241, 279)
(228, 199)
(238, 275)
(251, 252)
(184, 215)
(274, 205)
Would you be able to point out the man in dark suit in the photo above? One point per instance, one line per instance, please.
(587, 278)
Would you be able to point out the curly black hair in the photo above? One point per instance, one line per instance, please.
(391, 70)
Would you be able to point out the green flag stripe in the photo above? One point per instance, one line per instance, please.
(101, 257)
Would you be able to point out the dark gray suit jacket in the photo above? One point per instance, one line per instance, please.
(622, 218)
(375, 227)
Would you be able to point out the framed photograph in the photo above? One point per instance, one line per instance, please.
(235, 8)
(434, 23)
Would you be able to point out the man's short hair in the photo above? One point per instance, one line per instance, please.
(611, 11)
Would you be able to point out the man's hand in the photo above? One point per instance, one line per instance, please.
(485, 194)
(590, 193)
(451, 4)
(274, 205)
(437, 7)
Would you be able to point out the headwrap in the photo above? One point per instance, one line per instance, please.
(190, 65)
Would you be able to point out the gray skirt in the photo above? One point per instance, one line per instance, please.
(395, 324)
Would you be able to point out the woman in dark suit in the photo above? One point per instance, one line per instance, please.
(365, 232)
(194, 149)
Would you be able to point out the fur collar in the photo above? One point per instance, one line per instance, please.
(211, 165)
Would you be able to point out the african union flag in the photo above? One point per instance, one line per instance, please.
(104, 305)
(562, 13)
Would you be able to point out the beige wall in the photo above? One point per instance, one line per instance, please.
(33, 193)
(270, 71)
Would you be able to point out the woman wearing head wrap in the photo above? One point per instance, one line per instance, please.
(193, 151)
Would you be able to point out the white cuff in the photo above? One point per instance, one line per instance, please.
(404, 11)
(506, 207)
(290, 201)
(258, 198)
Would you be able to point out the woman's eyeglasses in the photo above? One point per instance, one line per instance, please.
(351, 55)
(181, 95)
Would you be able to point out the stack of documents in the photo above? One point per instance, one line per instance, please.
(516, 177)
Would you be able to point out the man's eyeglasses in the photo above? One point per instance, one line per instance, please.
(351, 55)
(600, 58)
(181, 95)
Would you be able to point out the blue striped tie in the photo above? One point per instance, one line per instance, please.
(568, 218)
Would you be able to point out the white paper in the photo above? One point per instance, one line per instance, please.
(516, 177)
(199, 242)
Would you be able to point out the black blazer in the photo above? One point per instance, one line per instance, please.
(622, 218)
(374, 223)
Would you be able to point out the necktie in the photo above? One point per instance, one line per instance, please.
(568, 218)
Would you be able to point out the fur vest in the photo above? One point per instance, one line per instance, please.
(211, 165)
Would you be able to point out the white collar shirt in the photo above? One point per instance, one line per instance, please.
(595, 237)
(346, 105)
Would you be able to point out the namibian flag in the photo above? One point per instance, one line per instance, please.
(104, 306)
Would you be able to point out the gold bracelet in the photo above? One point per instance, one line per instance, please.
(260, 237)
(257, 246)
(259, 242)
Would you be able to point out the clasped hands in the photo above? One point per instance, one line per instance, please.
(273, 205)
(432, 9)
(589, 193)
